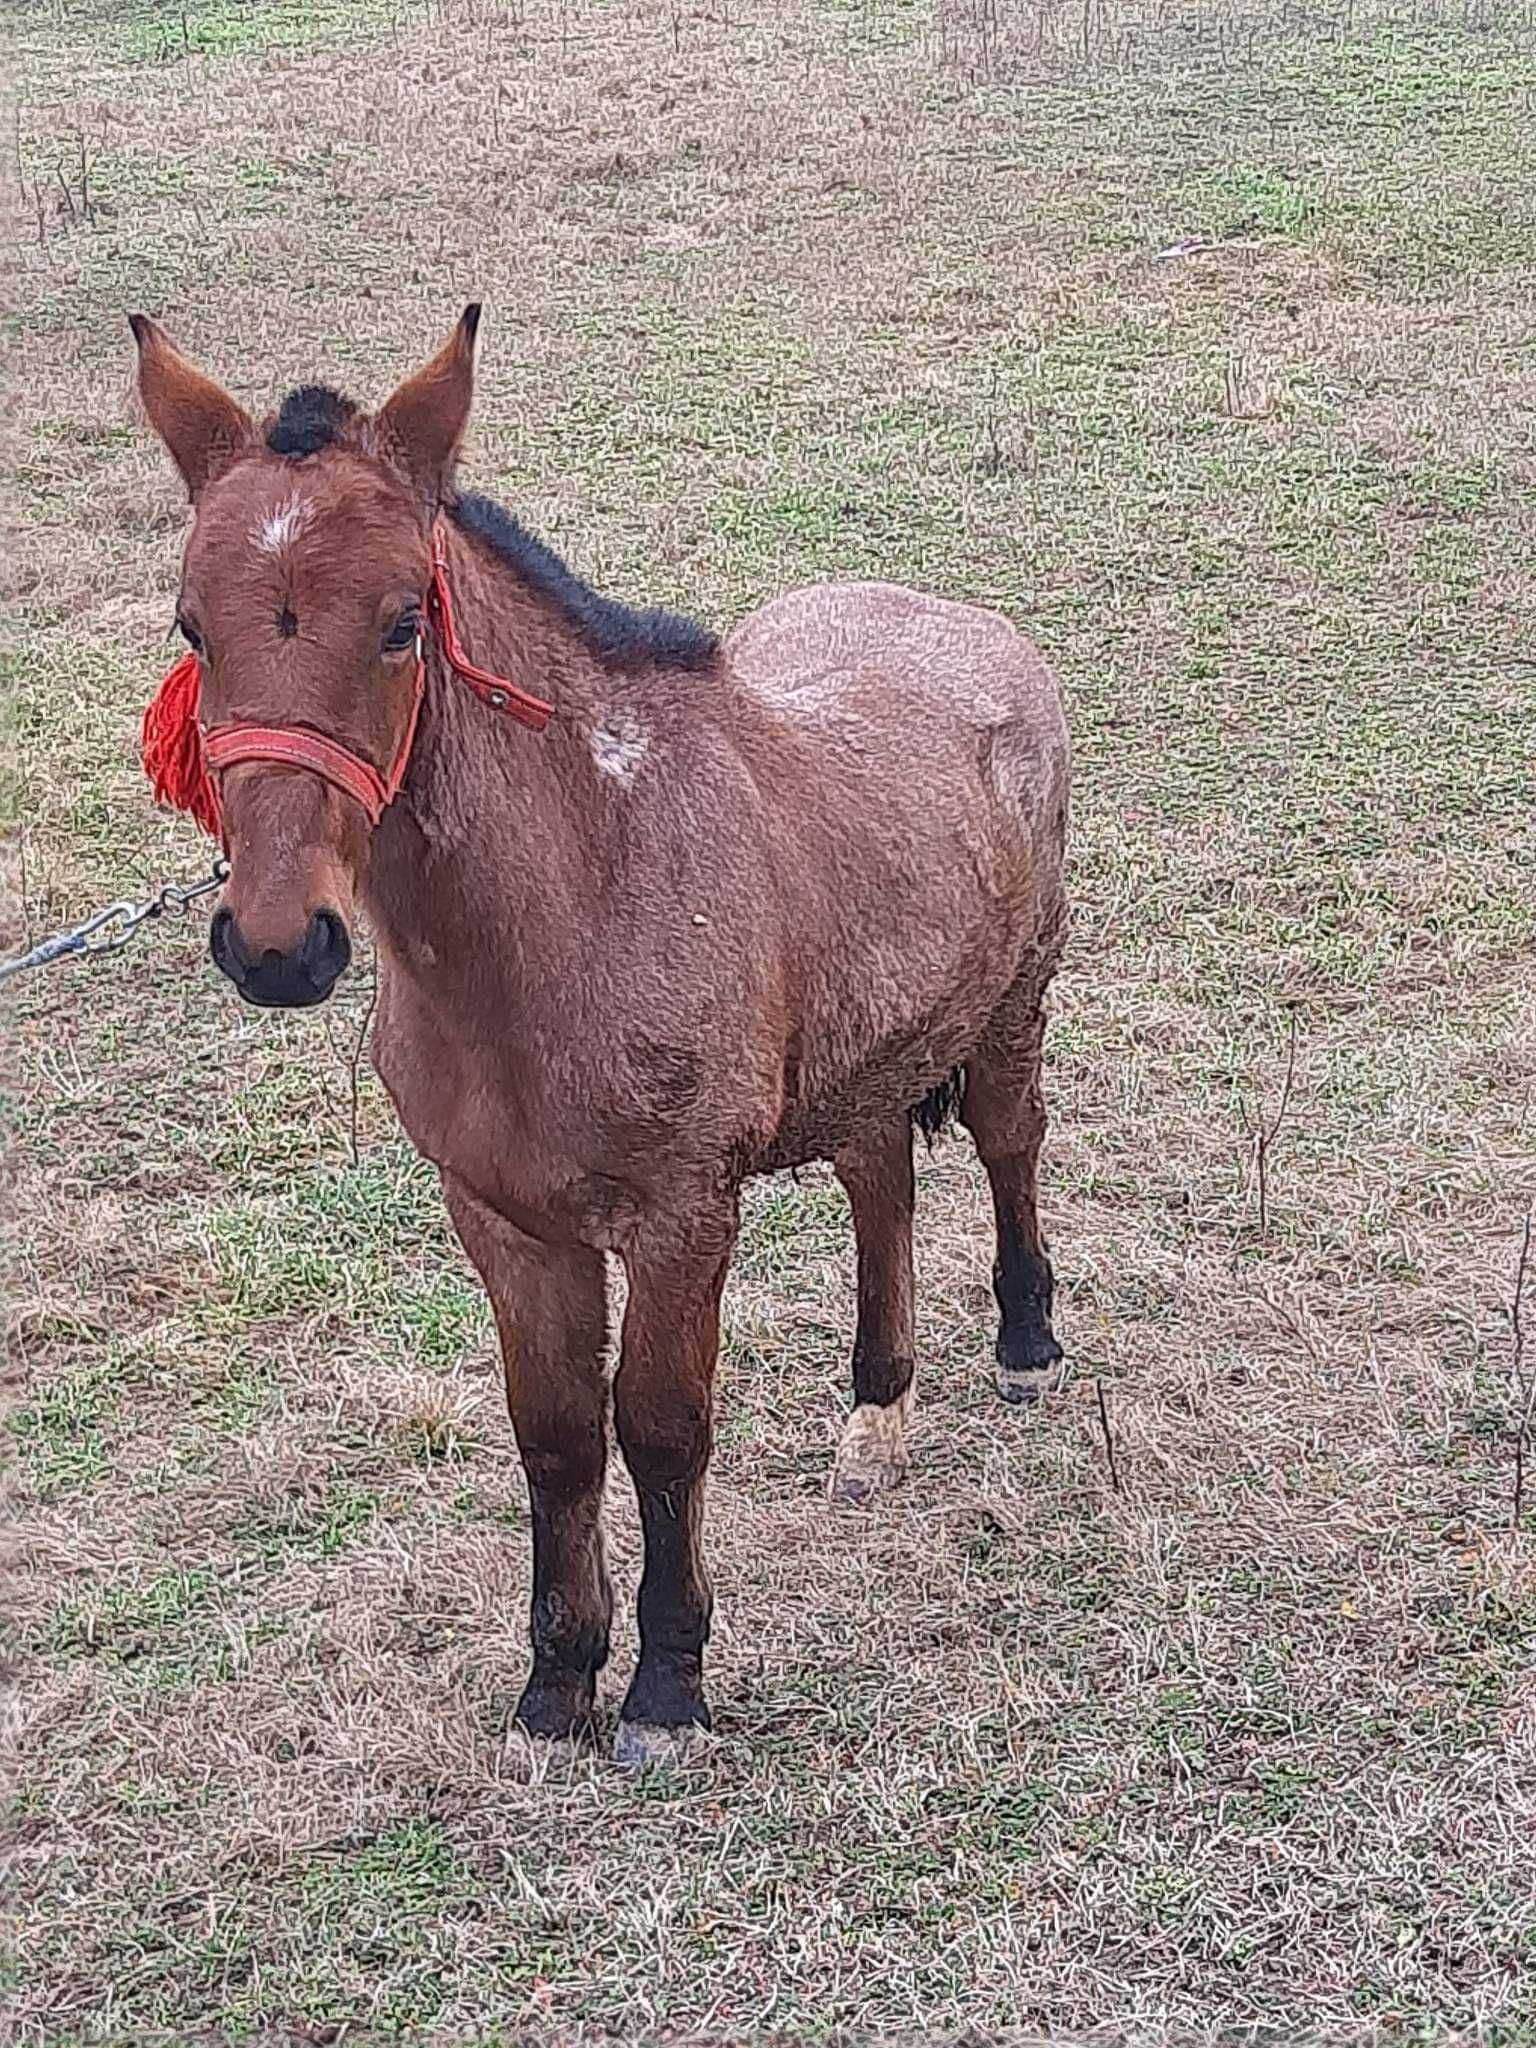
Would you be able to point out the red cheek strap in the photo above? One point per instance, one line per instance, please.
(495, 691)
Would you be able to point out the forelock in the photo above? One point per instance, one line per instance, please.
(309, 419)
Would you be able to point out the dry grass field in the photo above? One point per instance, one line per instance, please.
(1234, 1740)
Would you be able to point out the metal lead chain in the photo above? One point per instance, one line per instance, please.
(113, 927)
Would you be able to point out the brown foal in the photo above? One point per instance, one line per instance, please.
(743, 904)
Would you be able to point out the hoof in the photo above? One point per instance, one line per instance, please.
(646, 1745)
(530, 1758)
(872, 1457)
(1018, 1386)
(856, 1481)
(555, 1710)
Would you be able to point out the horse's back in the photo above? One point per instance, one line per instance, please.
(821, 653)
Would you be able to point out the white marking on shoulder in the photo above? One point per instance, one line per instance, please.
(283, 526)
(618, 748)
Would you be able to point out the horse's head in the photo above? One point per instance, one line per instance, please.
(303, 593)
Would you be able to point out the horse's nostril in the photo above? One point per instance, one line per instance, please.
(327, 951)
(224, 944)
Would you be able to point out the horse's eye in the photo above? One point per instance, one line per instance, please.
(190, 634)
(403, 632)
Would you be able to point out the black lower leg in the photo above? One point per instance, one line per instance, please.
(1005, 1110)
(569, 1615)
(667, 1690)
(662, 1409)
(877, 1174)
(880, 1375)
(1024, 1286)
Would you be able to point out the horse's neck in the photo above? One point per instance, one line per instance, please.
(491, 841)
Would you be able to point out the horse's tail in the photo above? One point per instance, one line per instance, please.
(939, 1105)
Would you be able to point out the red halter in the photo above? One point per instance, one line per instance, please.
(185, 762)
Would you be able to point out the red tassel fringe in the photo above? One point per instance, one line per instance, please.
(171, 744)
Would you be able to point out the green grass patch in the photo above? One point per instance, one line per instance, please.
(167, 31)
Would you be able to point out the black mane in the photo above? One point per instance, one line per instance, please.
(618, 634)
(308, 420)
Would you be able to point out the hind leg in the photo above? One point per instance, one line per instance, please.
(876, 1171)
(1004, 1110)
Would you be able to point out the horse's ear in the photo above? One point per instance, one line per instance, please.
(200, 424)
(421, 425)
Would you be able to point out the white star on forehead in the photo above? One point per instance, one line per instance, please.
(283, 526)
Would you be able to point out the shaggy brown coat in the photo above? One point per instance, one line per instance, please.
(744, 904)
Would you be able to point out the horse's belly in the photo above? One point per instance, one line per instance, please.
(844, 1079)
(819, 1127)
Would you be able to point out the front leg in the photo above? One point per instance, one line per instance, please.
(663, 1398)
(551, 1311)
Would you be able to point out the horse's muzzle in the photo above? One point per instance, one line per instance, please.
(283, 981)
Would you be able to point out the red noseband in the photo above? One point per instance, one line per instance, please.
(296, 746)
(186, 763)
